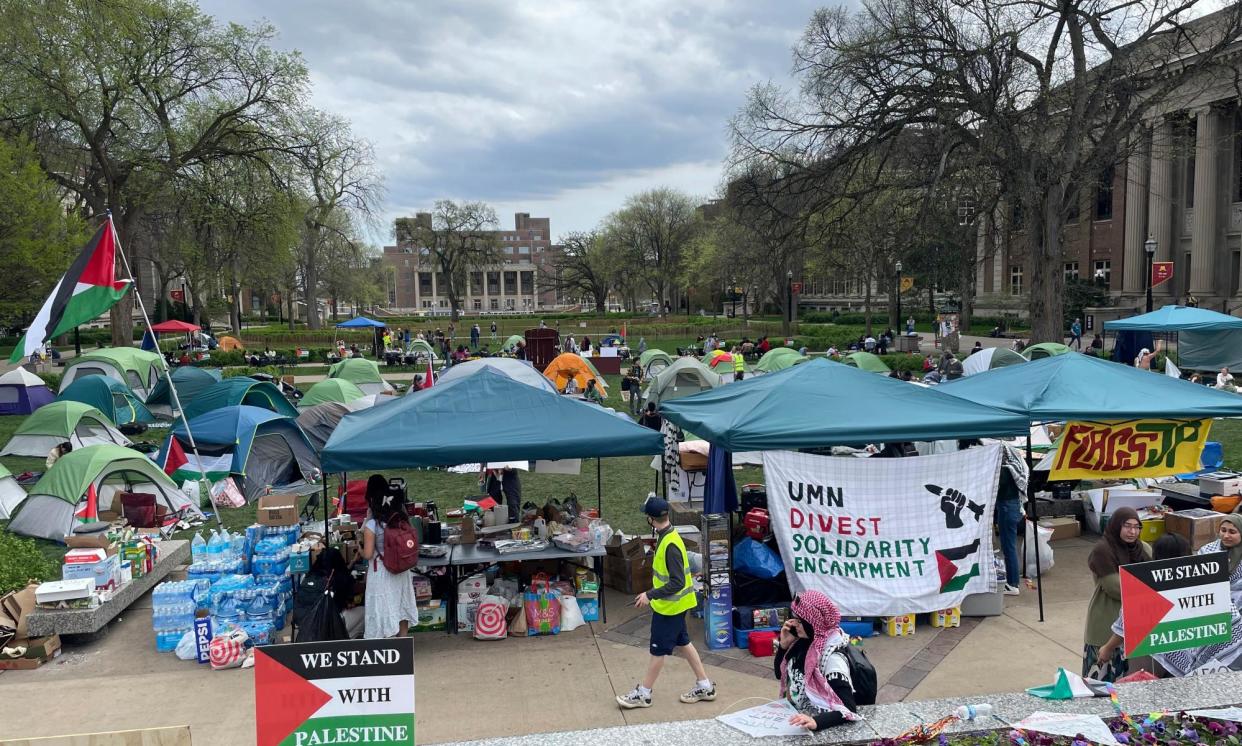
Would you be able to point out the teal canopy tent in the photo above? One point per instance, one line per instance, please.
(1206, 340)
(823, 403)
(483, 417)
(1079, 387)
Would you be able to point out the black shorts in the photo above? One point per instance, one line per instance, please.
(668, 632)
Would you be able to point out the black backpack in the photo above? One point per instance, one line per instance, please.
(862, 674)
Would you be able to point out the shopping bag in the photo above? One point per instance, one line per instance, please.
(228, 649)
(543, 608)
(754, 558)
(489, 620)
(322, 622)
(1032, 546)
(224, 494)
(571, 614)
(517, 625)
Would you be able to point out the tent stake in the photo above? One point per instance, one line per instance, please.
(1031, 516)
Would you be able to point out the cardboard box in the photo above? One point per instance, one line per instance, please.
(718, 617)
(946, 618)
(432, 616)
(465, 615)
(103, 573)
(1062, 528)
(692, 460)
(1220, 483)
(91, 542)
(39, 650)
(1197, 526)
(901, 625)
(685, 513)
(277, 510)
(624, 548)
(631, 575)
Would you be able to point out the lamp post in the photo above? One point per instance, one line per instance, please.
(898, 268)
(789, 300)
(1149, 248)
(733, 296)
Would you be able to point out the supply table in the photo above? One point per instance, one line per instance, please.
(173, 553)
(472, 554)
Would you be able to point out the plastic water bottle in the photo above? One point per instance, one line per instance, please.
(198, 548)
(973, 712)
(214, 546)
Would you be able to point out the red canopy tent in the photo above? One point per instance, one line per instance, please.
(174, 326)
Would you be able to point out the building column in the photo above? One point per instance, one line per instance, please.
(1203, 238)
(418, 281)
(1160, 198)
(435, 294)
(1134, 258)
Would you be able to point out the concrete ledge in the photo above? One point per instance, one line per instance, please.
(89, 621)
(888, 721)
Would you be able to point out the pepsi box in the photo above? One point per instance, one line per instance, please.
(718, 617)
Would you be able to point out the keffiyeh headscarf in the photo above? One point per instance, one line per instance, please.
(819, 613)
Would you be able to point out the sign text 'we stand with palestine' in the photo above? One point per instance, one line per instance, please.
(340, 692)
(1175, 604)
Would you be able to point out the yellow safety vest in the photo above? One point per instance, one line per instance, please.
(683, 601)
(739, 364)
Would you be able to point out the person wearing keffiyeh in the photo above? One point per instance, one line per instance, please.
(811, 663)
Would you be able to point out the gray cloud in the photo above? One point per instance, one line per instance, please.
(567, 106)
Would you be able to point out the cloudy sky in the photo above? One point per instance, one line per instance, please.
(559, 108)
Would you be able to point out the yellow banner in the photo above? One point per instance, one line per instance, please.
(1135, 448)
(906, 283)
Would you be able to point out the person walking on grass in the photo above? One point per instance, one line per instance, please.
(670, 598)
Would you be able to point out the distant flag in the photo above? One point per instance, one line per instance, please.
(87, 290)
(182, 467)
(623, 334)
(429, 379)
(175, 458)
(1171, 370)
(88, 510)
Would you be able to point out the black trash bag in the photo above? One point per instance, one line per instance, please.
(320, 621)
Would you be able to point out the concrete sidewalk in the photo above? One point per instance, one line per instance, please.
(468, 689)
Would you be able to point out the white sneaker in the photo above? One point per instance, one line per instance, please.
(1011, 590)
(634, 700)
(699, 694)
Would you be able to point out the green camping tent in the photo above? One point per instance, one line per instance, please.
(989, 358)
(331, 390)
(137, 369)
(240, 390)
(11, 494)
(421, 348)
(109, 396)
(866, 361)
(511, 343)
(779, 358)
(52, 424)
(653, 361)
(362, 373)
(1044, 349)
(686, 376)
(48, 513)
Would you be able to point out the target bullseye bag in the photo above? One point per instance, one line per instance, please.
(489, 620)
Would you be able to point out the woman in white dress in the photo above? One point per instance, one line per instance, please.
(390, 602)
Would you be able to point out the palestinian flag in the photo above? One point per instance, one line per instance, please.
(340, 692)
(430, 378)
(86, 291)
(88, 510)
(1070, 685)
(955, 571)
(183, 467)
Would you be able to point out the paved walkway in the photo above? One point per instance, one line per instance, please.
(469, 689)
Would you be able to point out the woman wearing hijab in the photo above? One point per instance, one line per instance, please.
(1230, 540)
(811, 664)
(1119, 546)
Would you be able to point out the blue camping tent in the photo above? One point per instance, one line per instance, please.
(482, 417)
(265, 448)
(109, 396)
(239, 390)
(190, 382)
(823, 403)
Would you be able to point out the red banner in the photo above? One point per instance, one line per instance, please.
(796, 287)
(1161, 271)
(177, 295)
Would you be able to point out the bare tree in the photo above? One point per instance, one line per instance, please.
(658, 226)
(1045, 95)
(458, 238)
(586, 268)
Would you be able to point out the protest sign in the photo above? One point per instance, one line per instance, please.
(1129, 450)
(885, 536)
(1090, 727)
(345, 691)
(1175, 604)
(771, 719)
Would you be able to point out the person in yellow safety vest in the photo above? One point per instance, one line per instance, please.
(671, 596)
(739, 363)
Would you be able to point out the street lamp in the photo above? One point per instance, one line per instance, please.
(789, 298)
(733, 296)
(898, 268)
(1149, 248)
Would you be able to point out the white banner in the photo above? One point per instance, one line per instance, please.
(886, 536)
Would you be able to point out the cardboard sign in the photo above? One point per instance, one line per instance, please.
(1091, 727)
(1175, 604)
(771, 719)
(1129, 450)
(346, 691)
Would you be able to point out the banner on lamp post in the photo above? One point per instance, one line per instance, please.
(1160, 272)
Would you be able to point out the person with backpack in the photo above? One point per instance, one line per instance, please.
(391, 550)
(819, 673)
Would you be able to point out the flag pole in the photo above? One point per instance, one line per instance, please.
(202, 480)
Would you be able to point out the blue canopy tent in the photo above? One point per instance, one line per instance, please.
(240, 390)
(1206, 340)
(361, 322)
(1074, 386)
(265, 448)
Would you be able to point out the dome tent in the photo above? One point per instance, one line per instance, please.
(519, 370)
(240, 390)
(866, 361)
(653, 361)
(362, 373)
(265, 448)
(48, 512)
(137, 369)
(779, 358)
(80, 424)
(22, 392)
(512, 342)
(11, 494)
(568, 367)
(421, 348)
(190, 382)
(1044, 349)
(330, 390)
(989, 358)
(686, 376)
(109, 396)
(319, 422)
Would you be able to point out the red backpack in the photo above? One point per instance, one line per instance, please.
(400, 544)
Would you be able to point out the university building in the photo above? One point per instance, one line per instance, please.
(518, 284)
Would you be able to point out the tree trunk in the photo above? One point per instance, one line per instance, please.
(310, 272)
(1044, 265)
(289, 309)
(931, 299)
(867, 304)
(968, 297)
